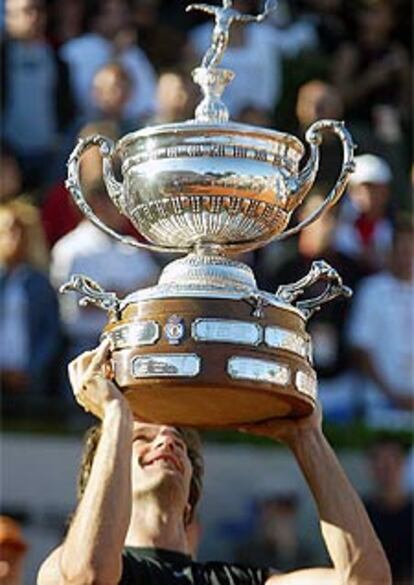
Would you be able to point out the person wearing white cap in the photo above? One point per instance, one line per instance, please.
(380, 336)
(364, 231)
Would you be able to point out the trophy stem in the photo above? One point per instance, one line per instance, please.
(209, 249)
(213, 81)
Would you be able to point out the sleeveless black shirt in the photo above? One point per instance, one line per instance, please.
(148, 566)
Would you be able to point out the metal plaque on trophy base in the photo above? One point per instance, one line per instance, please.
(205, 346)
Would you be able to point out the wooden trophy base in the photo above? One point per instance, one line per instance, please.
(212, 362)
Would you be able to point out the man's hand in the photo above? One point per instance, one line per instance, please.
(89, 377)
(285, 430)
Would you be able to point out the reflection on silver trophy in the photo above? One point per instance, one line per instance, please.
(205, 346)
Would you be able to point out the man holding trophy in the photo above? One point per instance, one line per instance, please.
(203, 348)
(130, 525)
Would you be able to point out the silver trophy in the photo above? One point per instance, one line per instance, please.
(205, 346)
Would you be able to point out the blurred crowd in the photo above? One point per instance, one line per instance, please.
(73, 68)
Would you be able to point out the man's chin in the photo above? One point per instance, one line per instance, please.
(158, 480)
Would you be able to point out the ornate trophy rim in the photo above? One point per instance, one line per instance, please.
(180, 129)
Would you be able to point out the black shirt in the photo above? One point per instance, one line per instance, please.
(148, 566)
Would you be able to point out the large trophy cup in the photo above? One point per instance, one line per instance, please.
(205, 347)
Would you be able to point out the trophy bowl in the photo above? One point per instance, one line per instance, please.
(190, 184)
(196, 183)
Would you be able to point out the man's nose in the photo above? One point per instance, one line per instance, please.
(166, 438)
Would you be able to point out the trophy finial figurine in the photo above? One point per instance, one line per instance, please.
(212, 79)
(224, 17)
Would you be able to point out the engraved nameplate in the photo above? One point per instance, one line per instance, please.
(244, 368)
(306, 383)
(135, 334)
(166, 365)
(226, 331)
(284, 339)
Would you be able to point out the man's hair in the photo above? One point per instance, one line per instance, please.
(191, 439)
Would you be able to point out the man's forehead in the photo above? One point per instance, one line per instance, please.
(155, 428)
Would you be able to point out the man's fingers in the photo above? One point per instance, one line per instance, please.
(84, 366)
(101, 355)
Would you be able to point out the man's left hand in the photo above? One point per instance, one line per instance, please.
(286, 430)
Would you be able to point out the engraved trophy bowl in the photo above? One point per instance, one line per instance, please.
(205, 346)
(190, 184)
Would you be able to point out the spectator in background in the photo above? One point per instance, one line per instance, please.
(364, 229)
(112, 88)
(374, 77)
(317, 100)
(158, 33)
(373, 72)
(10, 175)
(381, 336)
(29, 316)
(176, 98)
(327, 327)
(36, 99)
(327, 16)
(391, 508)
(276, 540)
(89, 251)
(59, 213)
(110, 37)
(66, 21)
(13, 550)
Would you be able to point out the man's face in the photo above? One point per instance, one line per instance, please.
(370, 198)
(160, 462)
(111, 91)
(12, 239)
(25, 19)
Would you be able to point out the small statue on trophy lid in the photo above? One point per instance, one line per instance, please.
(224, 18)
(212, 80)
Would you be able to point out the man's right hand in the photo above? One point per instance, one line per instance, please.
(92, 388)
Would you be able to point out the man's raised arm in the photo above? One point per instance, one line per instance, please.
(92, 550)
(355, 551)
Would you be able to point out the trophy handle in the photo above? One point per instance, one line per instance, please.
(93, 293)
(314, 138)
(114, 187)
(320, 270)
